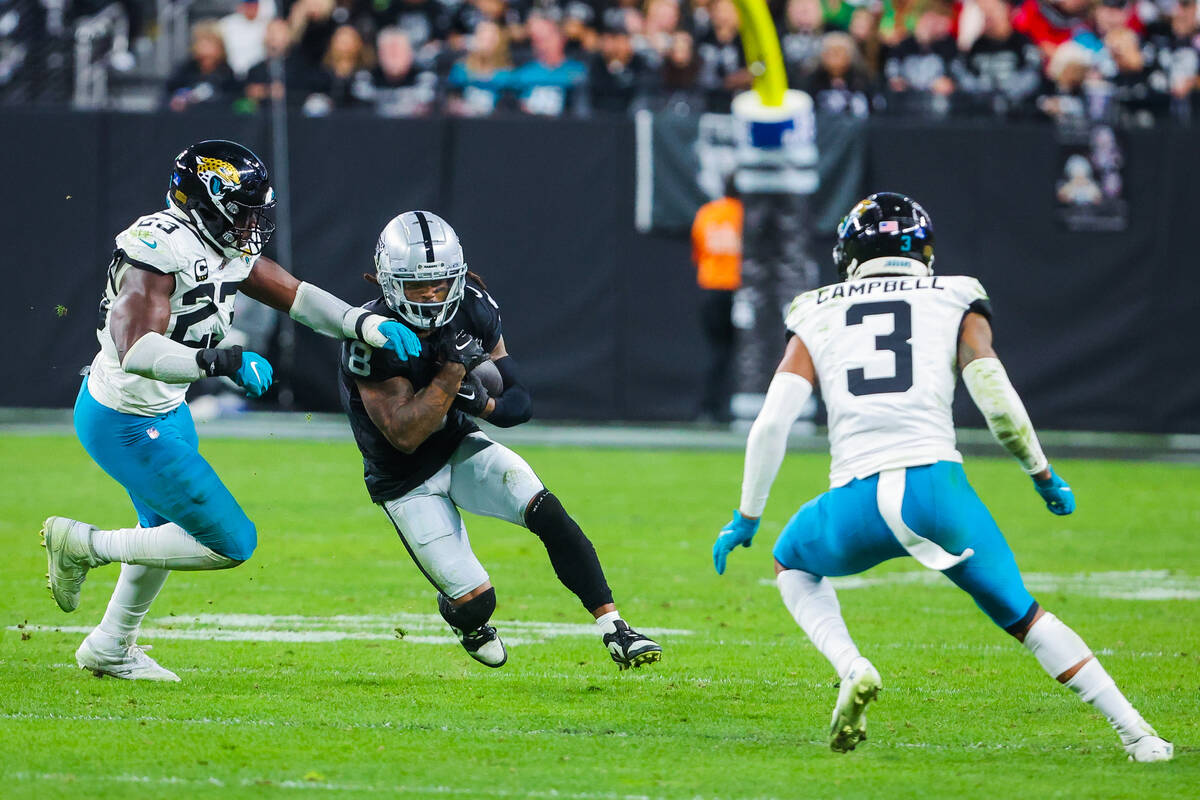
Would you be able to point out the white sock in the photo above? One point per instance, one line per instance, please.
(608, 622)
(1094, 687)
(135, 591)
(814, 605)
(1058, 649)
(166, 547)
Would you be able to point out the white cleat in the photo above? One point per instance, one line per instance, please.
(128, 662)
(860, 686)
(68, 558)
(1149, 748)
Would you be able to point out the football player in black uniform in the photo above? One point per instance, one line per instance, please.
(424, 458)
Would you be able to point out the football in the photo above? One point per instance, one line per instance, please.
(489, 376)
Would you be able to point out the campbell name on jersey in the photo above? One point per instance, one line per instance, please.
(388, 472)
(885, 351)
(206, 285)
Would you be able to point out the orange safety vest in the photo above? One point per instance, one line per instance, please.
(717, 244)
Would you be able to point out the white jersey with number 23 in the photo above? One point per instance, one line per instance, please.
(885, 351)
(206, 285)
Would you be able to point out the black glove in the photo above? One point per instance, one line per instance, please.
(463, 348)
(472, 397)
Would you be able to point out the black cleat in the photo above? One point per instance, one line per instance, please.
(482, 644)
(629, 648)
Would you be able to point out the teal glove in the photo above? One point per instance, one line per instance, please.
(400, 339)
(254, 375)
(1057, 494)
(739, 531)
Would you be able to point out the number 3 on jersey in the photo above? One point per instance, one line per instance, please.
(359, 361)
(897, 342)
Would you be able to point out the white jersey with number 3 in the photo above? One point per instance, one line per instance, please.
(885, 351)
(206, 285)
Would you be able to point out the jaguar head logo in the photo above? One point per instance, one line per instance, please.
(218, 176)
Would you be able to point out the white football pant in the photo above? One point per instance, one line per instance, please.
(482, 477)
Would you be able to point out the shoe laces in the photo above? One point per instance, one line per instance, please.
(136, 651)
(627, 635)
(480, 635)
(625, 640)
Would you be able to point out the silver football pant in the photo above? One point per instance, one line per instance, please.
(482, 477)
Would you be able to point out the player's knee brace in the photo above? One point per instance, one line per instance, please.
(470, 615)
(571, 553)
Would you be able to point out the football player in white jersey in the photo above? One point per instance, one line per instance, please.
(885, 346)
(168, 302)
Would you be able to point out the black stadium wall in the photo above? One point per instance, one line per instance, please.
(1093, 327)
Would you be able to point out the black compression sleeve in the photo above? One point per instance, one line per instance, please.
(514, 405)
(571, 553)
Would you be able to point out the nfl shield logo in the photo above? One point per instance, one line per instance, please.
(889, 226)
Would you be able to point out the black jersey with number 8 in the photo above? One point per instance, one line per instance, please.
(390, 472)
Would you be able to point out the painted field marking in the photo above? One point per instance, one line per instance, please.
(1146, 584)
(326, 786)
(418, 628)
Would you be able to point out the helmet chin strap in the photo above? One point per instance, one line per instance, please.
(889, 265)
(226, 250)
(422, 316)
(438, 320)
(410, 311)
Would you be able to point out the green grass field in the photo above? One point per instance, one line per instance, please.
(738, 707)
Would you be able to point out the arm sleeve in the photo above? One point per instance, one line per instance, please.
(331, 316)
(159, 358)
(767, 441)
(514, 405)
(1006, 417)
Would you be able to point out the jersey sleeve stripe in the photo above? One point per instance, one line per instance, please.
(981, 307)
(133, 262)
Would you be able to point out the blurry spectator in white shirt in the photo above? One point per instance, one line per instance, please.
(244, 32)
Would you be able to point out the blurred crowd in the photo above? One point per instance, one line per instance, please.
(1111, 59)
(1132, 61)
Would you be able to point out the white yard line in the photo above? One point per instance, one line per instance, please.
(389, 621)
(262, 635)
(322, 785)
(418, 629)
(1147, 584)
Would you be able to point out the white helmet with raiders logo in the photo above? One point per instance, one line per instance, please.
(419, 247)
